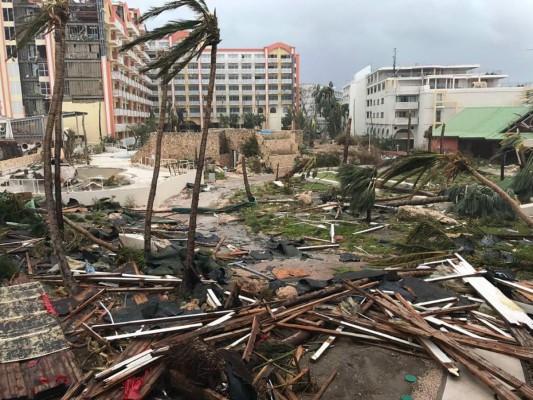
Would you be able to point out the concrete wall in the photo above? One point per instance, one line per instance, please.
(91, 120)
(165, 189)
(19, 162)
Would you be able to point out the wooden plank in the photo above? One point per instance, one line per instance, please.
(329, 341)
(325, 386)
(251, 340)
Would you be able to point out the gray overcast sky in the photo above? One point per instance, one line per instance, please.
(336, 38)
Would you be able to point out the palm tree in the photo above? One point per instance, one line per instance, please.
(422, 165)
(52, 17)
(358, 184)
(204, 32)
(328, 106)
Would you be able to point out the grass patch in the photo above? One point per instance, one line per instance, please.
(342, 269)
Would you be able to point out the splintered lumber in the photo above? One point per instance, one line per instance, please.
(83, 305)
(251, 340)
(318, 247)
(329, 341)
(375, 228)
(454, 276)
(509, 311)
(202, 316)
(325, 386)
(253, 271)
(330, 332)
(153, 331)
(437, 354)
(515, 285)
(74, 389)
(494, 327)
(450, 310)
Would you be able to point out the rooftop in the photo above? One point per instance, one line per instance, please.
(484, 122)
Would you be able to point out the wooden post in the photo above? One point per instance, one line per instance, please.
(441, 151)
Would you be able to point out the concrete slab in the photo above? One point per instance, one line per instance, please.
(468, 387)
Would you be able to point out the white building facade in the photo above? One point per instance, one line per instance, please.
(382, 101)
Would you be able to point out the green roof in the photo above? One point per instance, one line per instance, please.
(489, 123)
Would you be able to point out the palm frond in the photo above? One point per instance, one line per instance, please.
(429, 235)
(477, 201)
(510, 143)
(522, 183)
(40, 23)
(358, 186)
(161, 32)
(197, 6)
(409, 260)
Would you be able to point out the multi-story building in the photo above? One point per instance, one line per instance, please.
(98, 80)
(381, 102)
(108, 85)
(257, 81)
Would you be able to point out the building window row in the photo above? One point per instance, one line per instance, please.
(375, 102)
(376, 88)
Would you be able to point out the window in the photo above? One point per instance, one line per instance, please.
(438, 116)
(8, 14)
(234, 110)
(382, 114)
(233, 56)
(11, 50)
(285, 110)
(234, 98)
(45, 88)
(439, 97)
(272, 110)
(9, 33)
(383, 100)
(233, 66)
(234, 87)
(221, 98)
(43, 69)
(260, 110)
(368, 114)
(220, 87)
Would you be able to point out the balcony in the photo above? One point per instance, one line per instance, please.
(259, 70)
(408, 90)
(121, 127)
(260, 81)
(404, 121)
(286, 70)
(289, 81)
(409, 105)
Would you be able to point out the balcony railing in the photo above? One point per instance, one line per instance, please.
(404, 121)
(410, 105)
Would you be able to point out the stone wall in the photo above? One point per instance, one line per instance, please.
(185, 145)
(221, 142)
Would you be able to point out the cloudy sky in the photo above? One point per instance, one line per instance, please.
(336, 38)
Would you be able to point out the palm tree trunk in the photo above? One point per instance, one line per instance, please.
(57, 163)
(55, 107)
(503, 194)
(245, 179)
(408, 132)
(157, 166)
(345, 150)
(190, 276)
(86, 150)
(415, 202)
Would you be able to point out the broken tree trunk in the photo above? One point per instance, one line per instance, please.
(418, 201)
(89, 236)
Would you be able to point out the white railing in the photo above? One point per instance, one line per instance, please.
(24, 185)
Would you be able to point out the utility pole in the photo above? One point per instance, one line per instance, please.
(394, 61)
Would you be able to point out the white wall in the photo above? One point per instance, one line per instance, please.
(165, 189)
(456, 100)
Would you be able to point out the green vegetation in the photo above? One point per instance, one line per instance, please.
(8, 267)
(250, 147)
(129, 254)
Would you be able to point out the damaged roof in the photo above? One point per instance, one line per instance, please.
(489, 123)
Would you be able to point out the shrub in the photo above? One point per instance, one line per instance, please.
(327, 160)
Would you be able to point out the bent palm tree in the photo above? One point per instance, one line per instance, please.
(204, 32)
(420, 165)
(358, 184)
(52, 17)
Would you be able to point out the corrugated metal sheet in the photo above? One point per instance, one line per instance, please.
(483, 122)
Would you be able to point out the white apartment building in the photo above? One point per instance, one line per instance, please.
(381, 101)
